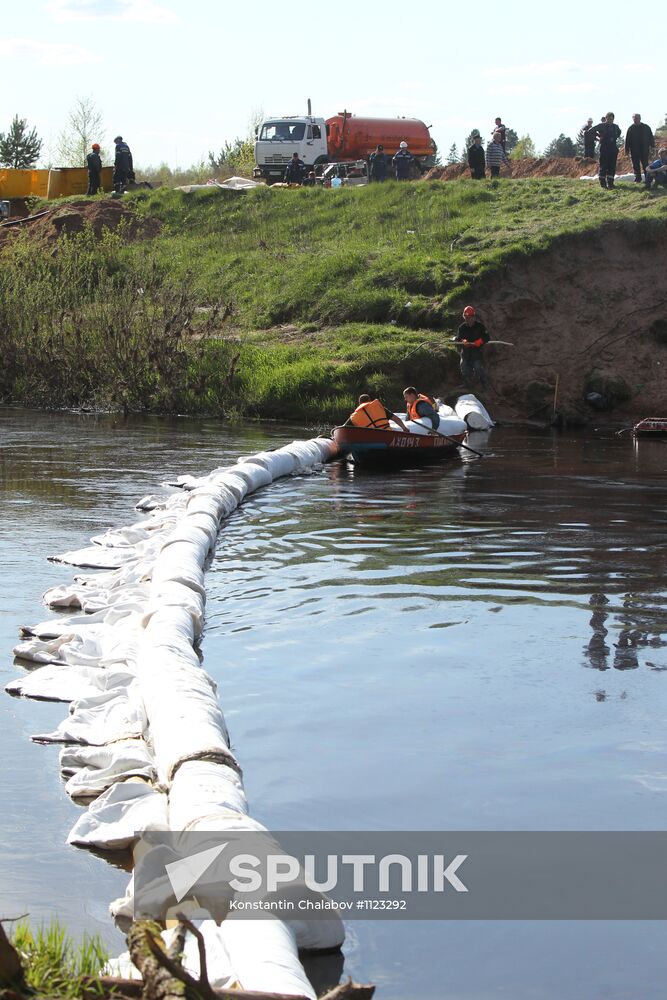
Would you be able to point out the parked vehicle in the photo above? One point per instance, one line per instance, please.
(342, 138)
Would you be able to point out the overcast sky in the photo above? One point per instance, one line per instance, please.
(177, 79)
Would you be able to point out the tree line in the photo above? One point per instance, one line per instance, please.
(21, 147)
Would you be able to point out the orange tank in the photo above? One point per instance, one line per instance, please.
(351, 137)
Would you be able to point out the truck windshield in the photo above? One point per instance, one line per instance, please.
(282, 131)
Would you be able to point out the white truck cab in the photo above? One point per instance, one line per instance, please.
(279, 138)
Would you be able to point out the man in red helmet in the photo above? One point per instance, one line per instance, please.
(472, 337)
(94, 164)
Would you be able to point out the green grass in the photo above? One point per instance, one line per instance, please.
(330, 292)
(54, 965)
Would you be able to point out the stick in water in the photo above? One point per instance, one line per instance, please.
(449, 438)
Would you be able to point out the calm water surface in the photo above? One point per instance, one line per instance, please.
(481, 645)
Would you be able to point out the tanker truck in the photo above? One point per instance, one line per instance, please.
(343, 138)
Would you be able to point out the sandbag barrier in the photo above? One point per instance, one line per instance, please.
(145, 737)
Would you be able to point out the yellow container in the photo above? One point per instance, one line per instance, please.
(67, 181)
(39, 183)
(15, 183)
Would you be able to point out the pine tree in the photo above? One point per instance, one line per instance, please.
(511, 139)
(468, 142)
(19, 148)
(453, 155)
(562, 146)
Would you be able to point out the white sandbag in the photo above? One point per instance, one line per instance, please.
(186, 720)
(218, 962)
(127, 759)
(475, 414)
(68, 683)
(115, 819)
(42, 650)
(255, 475)
(174, 594)
(328, 448)
(202, 789)
(318, 934)
(150, 502)
(236, 484)
(415, 427)
(446, 411)
(104, 718)
(264, 956)
(278, 463)
(121, 537)
(77, 757)
(54, 627)
(450, 426)
(97, 557)
(178, 564)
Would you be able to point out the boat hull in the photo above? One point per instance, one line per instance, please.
(651, 427)
(367, 446)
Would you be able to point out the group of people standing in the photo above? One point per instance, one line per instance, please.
(493, 157)
(123, 170)
(639, 142)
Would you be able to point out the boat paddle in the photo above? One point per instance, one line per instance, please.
(448, 438)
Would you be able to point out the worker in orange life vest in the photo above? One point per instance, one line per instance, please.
(373, 413)
(421, 408)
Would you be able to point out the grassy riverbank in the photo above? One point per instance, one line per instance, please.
(278, 303)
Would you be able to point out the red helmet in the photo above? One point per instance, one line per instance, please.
(96, 145)
(469, 311)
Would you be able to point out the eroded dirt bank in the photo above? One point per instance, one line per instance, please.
(590, 313)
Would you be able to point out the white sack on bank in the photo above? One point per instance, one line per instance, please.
(474, 413)
(68, 683)
(111, 822)
(104, 718)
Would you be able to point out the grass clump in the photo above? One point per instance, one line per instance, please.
(54, 965)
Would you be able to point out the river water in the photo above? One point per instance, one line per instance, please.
(480, 645)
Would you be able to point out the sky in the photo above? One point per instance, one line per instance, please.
(178, 79)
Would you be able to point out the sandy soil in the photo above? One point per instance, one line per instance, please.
(74, 215)
(588, 305)
(554, 166)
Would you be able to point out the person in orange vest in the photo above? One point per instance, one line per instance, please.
(421, 408)
(373, 413)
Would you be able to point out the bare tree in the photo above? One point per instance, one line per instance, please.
(84, 127)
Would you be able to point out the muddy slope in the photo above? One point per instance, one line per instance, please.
(589, 312)
(48, 225)
(552, 166)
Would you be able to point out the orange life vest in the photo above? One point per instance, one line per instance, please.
(412, 407)
(370, 415)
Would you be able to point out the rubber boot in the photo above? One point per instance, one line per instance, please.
(603, 181)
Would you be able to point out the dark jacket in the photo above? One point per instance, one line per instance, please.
(402, 162)
(476, 158)
(295, 172)
(123, 161)
(377, 166)
(608, 133)
(639, 138)
(476, 335)
(588, 135)
(94, 164)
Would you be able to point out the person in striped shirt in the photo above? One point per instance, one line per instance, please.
(496, 155)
